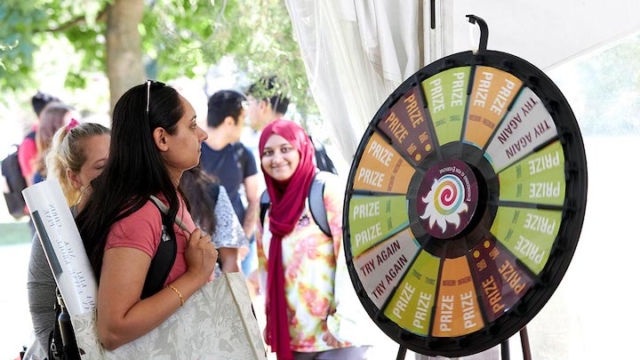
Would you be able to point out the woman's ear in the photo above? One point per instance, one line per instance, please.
(264, 105)
(74, 179)
(160, 139)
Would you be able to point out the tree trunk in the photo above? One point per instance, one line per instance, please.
(124, 50)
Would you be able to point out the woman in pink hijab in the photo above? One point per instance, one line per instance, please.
(312, 310)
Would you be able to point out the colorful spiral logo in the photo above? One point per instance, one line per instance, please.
(445, 202)
(447, 198)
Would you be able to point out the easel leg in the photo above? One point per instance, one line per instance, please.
(504, 350)
(526, 349)
(402, 352)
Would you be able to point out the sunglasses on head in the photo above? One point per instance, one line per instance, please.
(150, 83)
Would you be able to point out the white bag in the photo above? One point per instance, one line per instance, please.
(216, 322)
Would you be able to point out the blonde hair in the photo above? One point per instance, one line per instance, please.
(68, 152)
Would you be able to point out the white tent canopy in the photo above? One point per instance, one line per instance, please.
(357, 52)
(545, 33)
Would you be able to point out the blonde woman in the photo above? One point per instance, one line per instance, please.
(78, 154)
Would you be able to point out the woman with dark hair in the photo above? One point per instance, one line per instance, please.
(212, 211)
(28, 150)
(154, 139)
(54, 116)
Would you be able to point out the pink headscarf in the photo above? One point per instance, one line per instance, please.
(287, 203)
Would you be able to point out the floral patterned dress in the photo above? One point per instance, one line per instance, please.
(320, 296)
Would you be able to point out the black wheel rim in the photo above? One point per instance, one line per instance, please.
(464, 203)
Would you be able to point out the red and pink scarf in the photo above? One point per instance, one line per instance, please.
(287, 203)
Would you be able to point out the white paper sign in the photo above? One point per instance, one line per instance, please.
(62, 245)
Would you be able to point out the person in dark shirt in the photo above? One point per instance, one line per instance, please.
(225, 158)
(267, 102)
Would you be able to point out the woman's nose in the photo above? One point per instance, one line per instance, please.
(203, 134)
(277, 157)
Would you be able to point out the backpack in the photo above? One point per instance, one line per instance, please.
(316, 202)
(62, 341)
(239, 148)
(323, 161)
(15, 183)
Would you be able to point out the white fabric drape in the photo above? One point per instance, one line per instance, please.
(389, 33)
(356, 53)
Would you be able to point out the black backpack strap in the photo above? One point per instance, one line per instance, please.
(239, 149)
(164, 258)
(316, 201)
(54, 352)
(264, 206)
(323, 161)
(62, 340)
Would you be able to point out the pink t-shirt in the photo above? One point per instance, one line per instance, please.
(142, 230)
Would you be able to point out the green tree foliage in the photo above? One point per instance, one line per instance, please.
(29, 24)
(179, 38)
(4, 48)
(19, 22)
(198, 33)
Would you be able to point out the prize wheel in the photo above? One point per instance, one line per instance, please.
(464, 203)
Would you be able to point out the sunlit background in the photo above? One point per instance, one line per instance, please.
(590, 316)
